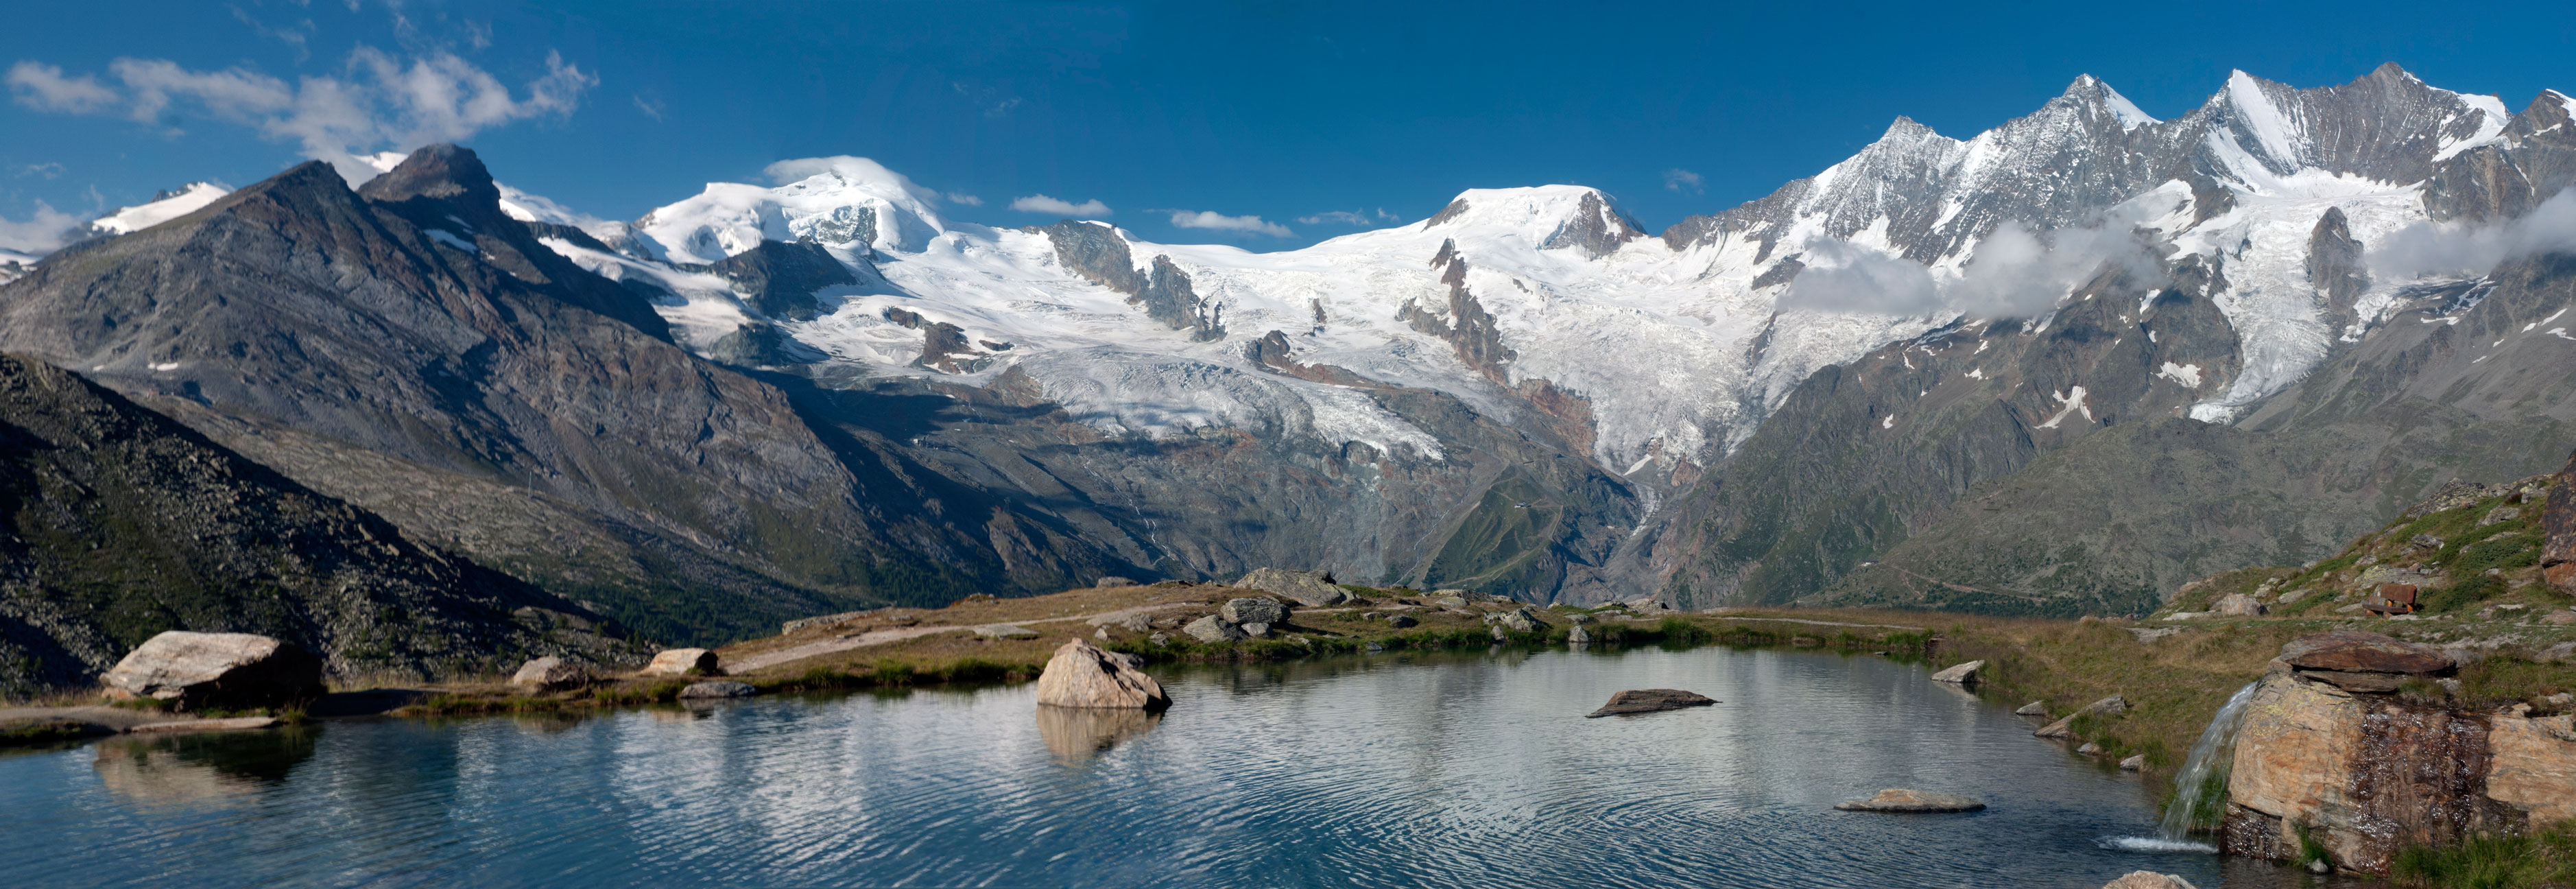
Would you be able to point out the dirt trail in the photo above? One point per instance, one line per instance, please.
(767, 659)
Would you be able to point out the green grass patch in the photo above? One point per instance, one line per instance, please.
(2525, 861)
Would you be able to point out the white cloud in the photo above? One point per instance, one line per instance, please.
(2013, 273)
(1335, 217)
(39, 234)
(650, 109)
(47, 170)
(968, 199)
(44, 88)
(2428, 249)
(378, 103)
(1209, 219)
(1038, 203)
(1678, 179)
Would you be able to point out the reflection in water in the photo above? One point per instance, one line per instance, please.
(221, 768)
(1076, 734)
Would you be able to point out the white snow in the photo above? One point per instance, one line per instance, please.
(2071, 400)
(2491, 122)
(1888, 423)
(190, 198)
(449, 238)
(2124, 110)
(2186, 374)
(2262, 120)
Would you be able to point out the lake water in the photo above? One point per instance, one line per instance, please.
(1425, 770)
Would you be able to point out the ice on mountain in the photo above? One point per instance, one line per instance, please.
(167, 206)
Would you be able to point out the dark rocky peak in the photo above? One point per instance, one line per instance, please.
(2387, 125)
(444, 171)
(2335, 266)
(2534, 159)
(1096, 252)
(780, 278)
(1457, 207)
(1597, 227)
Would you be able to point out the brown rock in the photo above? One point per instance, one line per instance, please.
(2237, 605)
(684, 662)
(2366, 777)
(1082, 675)
(2145, 879)
(2362, 683)
(2534, 767)
(230, 670)
(2353, 651)
(1649, 700)
(1901, 800)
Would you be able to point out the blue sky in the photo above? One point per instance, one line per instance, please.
(1285, 111)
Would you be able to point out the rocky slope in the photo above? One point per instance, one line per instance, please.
(120, 523)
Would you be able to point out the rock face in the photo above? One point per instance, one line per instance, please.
(2368, 774)
(1313, 589)
(2112, 705)
(1254, 611)
(1082, 675)
(550, 673)
(1963, 674)
(231, 670)
(2558, 527)
(1649, 700)
(1900, 800)
(684, 662)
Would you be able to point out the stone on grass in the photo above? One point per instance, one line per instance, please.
(1450, 601)
(1313, 589)
(684, 662)
(2090, 749)
(1212, 630)
(719, 688)
(2034, 708)
(1083, 675)
(1108, 582)
(2136, 763)
(227, 670)
(1005, 631)
(1400, 621)
(1158, 639)
(1258, 610)
(2357, 652)
(1649, 700)
(1577, 635)
(1963, 674)
(550, 673)
(2237, 605)
(2112, 705)
(1256, 629)
(2147, 879)
(1518, 620)
(1901, 800)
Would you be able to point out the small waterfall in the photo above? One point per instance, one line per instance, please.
(2203, 773)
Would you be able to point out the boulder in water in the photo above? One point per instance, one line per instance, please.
(2136, 763)
(1313, 589)
(1649, 700)
(683, 662)
(229, 670)
(2147, 879)
(1963, 674)
(1900, 800)
(1083, 675)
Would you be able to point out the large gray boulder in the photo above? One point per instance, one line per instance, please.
(1213, 629)
(1963, 674)
(1518, 620)
(1313, 589)
(1259, 610)
(1083, 675)
(550, 673)
(229, 670)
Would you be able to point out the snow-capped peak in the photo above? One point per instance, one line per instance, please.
(2127, 112)
(2261, 120)
(841, 201)
(162, 208)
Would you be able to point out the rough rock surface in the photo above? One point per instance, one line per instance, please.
(2147, 879)
(719, 689)
(1650, 700)
(2034, 708)
(683, 662)
(2359, 652)
(1900, 800)
(2237, 605)
(1518, 620)
(231, 670)
(2558, 530)
(1963, 674)
(1083, 675)
(1213, 629)
(550, 673)
(1257, 610)
(1313, 589)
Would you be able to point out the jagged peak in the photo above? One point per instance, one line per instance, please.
(1906, 128)
(2092, 90)
(445, 170)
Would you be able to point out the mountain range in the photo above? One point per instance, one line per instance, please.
(2059, 367)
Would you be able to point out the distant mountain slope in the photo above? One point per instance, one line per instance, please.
(117, 524)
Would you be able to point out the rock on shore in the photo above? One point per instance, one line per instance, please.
(2112, 705)
(1313, 589)
(231, 670)
(684, 662)
(1963, 674)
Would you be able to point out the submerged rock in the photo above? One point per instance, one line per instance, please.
(2147, 879)
(1649, 700)
(1083, 675)
(229, 670)
(1900, 800)
(1963, 674)
(684, 662)
(721, 688)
